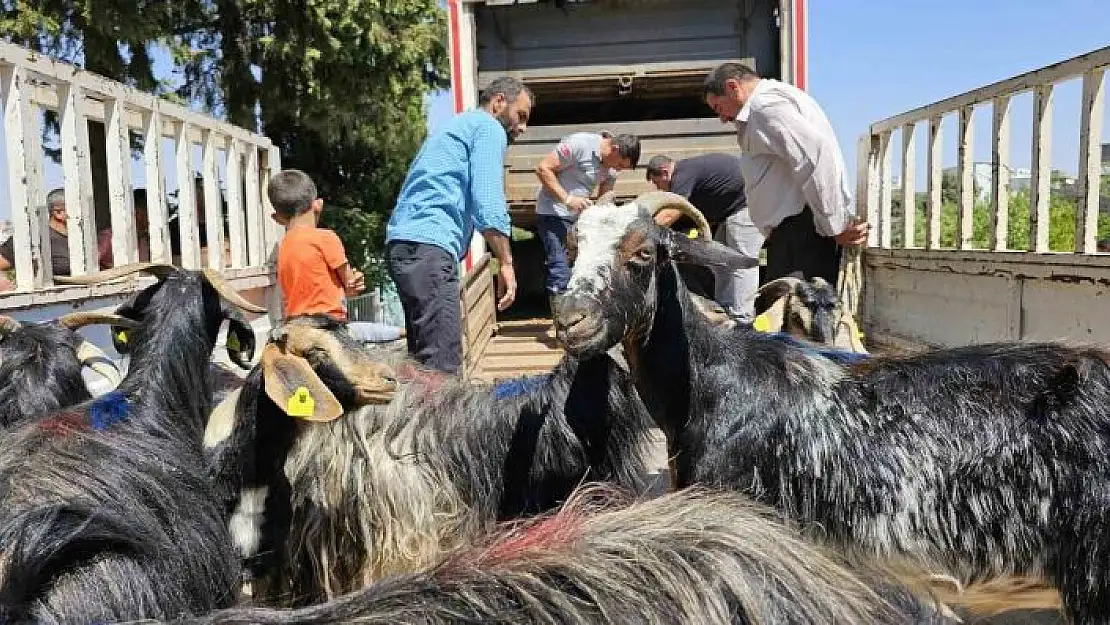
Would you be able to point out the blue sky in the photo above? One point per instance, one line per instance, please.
(873, 59)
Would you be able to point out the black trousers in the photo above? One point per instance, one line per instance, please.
(795, 245)
(427, 279)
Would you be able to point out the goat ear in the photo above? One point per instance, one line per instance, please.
(121, 339)
(240, 342)
(705, 253)
(292, 384)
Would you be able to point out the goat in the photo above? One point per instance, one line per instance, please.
(41, 365)
(985, 460)
(694, 556)
(807, 309)
(387, 487)
(105, 512)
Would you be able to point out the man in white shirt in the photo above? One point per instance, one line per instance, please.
(798, 193)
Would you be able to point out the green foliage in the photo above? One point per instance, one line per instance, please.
(341, 88)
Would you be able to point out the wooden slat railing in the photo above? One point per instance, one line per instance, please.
(31, 83)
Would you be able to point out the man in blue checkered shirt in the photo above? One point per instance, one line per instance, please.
(454, 187)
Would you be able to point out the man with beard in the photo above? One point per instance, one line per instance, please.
(454, 186)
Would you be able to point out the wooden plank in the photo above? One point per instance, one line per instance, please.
(271, 165)
(886, 187)
(965, 185)
(690, 127)
(909, 186)
(480, 316)
(236, 219)
(213, 210)
(1040, 185)
(933, 208)
(999, 232)
(255, 254)
(25, 182)
(677, 149)
(188, 230)
(478, 288)
(1056, 72)
(578, 73)
(158, 227)
(77, 177)
(120, 198)
(1090, 155)
(625, 187)
(866, 205)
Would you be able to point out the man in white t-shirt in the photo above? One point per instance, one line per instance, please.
(569, 174)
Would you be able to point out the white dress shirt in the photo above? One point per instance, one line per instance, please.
(791, 158)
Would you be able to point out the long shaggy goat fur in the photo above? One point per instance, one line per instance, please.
(984, 461)
(688, 557)
(386, 489)
(105, 510)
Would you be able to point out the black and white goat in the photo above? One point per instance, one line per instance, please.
(983, 461)
(105, 509)
(42, 365)
(426, 466)
(694, 556)
(808, 310)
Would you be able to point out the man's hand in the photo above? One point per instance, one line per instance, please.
(357, 283)
(854, 234)
(577, 203)
(507, 286)
(667, 216)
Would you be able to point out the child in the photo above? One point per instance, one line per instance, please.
(313, 271)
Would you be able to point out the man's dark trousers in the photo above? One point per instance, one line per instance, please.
(795, 245)
(427, 279)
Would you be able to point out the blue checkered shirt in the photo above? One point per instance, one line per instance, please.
(455, 184)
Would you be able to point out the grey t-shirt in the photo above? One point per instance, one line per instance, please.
(580, 171)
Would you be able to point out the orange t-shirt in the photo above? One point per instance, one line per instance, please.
(306, 265)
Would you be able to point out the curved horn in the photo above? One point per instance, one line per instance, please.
(771, 292)
(224, 289)
(609, 197)
(8, 325)
(92, 357)
(655, 201)
(75, 320)
(158, 270)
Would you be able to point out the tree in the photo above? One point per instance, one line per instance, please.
(339, 86)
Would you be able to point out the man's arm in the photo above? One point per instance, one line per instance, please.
(565, 154)
(683, 185)
(812, 159)
(487, 193)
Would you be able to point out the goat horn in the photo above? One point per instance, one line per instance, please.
(92, 357)
(158, 270)
(655, 201)
(779, 283)
(609, 197)
(8, 325)
(75, 320)
(224, 289)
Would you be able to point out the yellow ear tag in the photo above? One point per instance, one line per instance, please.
(692, 234)
(762, 323)
(121, 336)
(233, 342)
(301, 404)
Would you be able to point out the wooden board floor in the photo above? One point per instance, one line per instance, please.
(518, 348)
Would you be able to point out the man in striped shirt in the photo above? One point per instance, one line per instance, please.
(454, 187)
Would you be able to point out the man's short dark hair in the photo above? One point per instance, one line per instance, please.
(656, 164)
(291, 191)
(628, 146)
(715, 80)
(508, 86)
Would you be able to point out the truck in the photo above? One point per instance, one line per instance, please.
(631, 66)
(638, 65)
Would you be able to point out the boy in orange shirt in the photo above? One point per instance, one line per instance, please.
(312, 265)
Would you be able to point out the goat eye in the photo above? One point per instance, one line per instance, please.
(645, 254)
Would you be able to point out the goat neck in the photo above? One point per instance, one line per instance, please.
(663, 364)
(167, 380)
